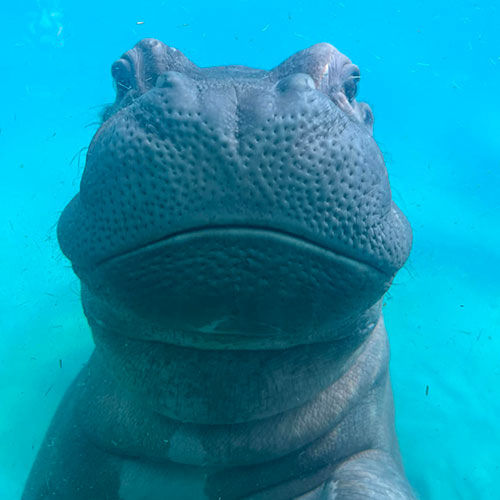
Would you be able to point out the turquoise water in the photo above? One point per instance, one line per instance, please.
(430, 71)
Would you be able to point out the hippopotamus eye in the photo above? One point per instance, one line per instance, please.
(121, 71)
(351, 85)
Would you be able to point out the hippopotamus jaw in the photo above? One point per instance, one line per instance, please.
(233, 288)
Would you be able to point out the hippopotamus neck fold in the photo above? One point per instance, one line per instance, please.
(193, 383)
(122, 417)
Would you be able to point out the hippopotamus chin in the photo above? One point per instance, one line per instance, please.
(234, 235)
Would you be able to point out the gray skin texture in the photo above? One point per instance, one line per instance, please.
(234, 235)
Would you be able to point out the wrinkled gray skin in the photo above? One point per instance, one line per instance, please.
(234, 234)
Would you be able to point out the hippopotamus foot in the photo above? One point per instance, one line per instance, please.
(372, 474)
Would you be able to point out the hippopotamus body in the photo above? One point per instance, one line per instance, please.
(234, 235)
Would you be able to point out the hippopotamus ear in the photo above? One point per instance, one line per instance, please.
(138, 69)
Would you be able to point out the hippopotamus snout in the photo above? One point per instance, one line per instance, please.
(238, 166)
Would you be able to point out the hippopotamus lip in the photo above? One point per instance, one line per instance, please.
(232, 287)
(213, 230)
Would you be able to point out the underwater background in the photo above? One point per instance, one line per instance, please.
(431, 73)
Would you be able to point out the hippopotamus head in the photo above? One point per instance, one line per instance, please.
(232, 206)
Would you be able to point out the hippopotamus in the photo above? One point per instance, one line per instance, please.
(234, 236)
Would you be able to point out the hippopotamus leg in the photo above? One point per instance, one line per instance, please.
(68, 465)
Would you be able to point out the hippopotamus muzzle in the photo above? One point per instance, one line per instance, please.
(230, 201)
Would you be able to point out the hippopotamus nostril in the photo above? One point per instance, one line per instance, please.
(171, 79)
(297, 81)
